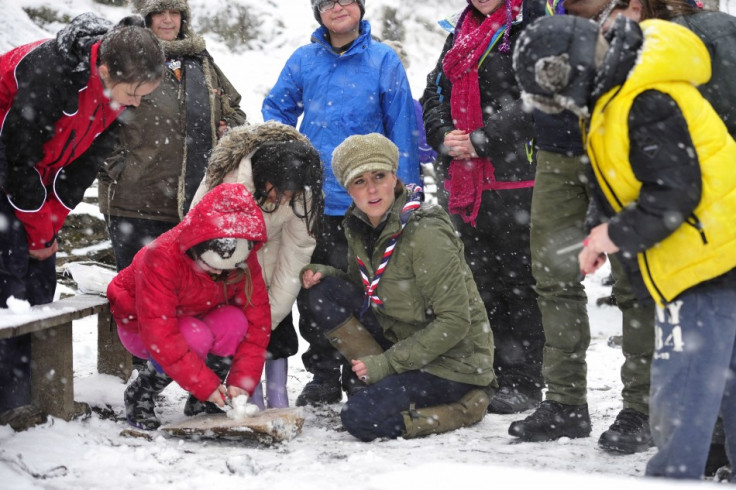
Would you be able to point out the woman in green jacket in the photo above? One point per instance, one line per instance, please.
(407, 314)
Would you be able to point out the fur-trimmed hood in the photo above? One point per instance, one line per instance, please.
(189, 43)
(241, 142)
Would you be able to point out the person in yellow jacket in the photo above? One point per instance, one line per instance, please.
(664, 201)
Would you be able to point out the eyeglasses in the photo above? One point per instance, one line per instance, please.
(326, 5)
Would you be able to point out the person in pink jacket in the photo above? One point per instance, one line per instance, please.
(196, 290)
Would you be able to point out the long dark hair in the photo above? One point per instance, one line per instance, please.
(668, 9)
(292, 166)
(132, 53)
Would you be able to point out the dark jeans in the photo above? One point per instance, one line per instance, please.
(129, 235)
(332, 249)
(376, 410)
(27, 279)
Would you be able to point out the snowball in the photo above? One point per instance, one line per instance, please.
(18, 306)
(241, 408)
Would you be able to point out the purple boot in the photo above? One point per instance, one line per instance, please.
(257, 397)
(276, 383)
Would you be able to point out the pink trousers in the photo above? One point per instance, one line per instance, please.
(217, 332)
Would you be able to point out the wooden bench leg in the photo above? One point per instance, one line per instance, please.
(112, 357)
(52, 371)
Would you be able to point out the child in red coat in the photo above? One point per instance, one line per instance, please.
(196, 290)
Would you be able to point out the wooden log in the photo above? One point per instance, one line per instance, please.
(52, 371)
(112, 357)
(267, 427)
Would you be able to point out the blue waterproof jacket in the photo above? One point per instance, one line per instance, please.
(364, 90)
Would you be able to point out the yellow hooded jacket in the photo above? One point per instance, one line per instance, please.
(673, 61)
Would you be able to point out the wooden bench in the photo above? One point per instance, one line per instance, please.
(52, 372)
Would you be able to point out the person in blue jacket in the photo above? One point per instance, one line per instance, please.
(343, 83)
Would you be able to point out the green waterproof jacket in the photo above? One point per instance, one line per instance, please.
(432, 311)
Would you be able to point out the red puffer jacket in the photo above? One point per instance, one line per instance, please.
(162, 283)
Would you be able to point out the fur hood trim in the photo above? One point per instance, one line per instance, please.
(189, 43)
(240, 142)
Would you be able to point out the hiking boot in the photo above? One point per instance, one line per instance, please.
(628, 434)
(552, 420)
(139, 398)
(320, 391)
(717, 456)
(512, 400)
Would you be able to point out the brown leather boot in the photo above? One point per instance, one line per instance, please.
(352, 340)
(469, 410)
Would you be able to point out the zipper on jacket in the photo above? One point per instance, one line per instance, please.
(695, 222)
(651, 278)
(68, 142)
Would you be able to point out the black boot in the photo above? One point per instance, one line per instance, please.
(515, 400)
(220, 366)
(551, 421)
(139, 398)
(323, 389)
(628, 434)
(350, 382)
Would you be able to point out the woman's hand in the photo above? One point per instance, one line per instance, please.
(595, 248)
(311, 278)
(359, 369)
(218, 396)
(459, 145)
(44, 253)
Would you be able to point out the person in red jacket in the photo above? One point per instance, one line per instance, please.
(196, 290)
(59, 99)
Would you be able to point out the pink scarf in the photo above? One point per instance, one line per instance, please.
(467, 179)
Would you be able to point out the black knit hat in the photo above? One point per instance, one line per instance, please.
(555, 63)
(315, 3)
(224, 253)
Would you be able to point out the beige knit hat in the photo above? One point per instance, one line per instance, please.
(364, 153)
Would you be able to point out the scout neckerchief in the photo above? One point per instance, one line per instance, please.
(412, 203)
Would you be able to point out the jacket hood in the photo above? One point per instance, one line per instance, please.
(227, 211)
(640, 49)
(555, 59)
(189, 43)
(75, 40)
(243, 141)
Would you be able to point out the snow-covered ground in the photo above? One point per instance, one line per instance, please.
(92, 453)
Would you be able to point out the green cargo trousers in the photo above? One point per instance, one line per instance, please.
(559, 205)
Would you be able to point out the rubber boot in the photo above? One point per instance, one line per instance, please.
(257, 397)
(352, 340)
(220, 366)
(139, 398)
(276, 394)
(469, 410)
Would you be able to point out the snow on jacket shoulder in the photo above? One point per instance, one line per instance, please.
(290, 245)
(364, 90)
(162, 284)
